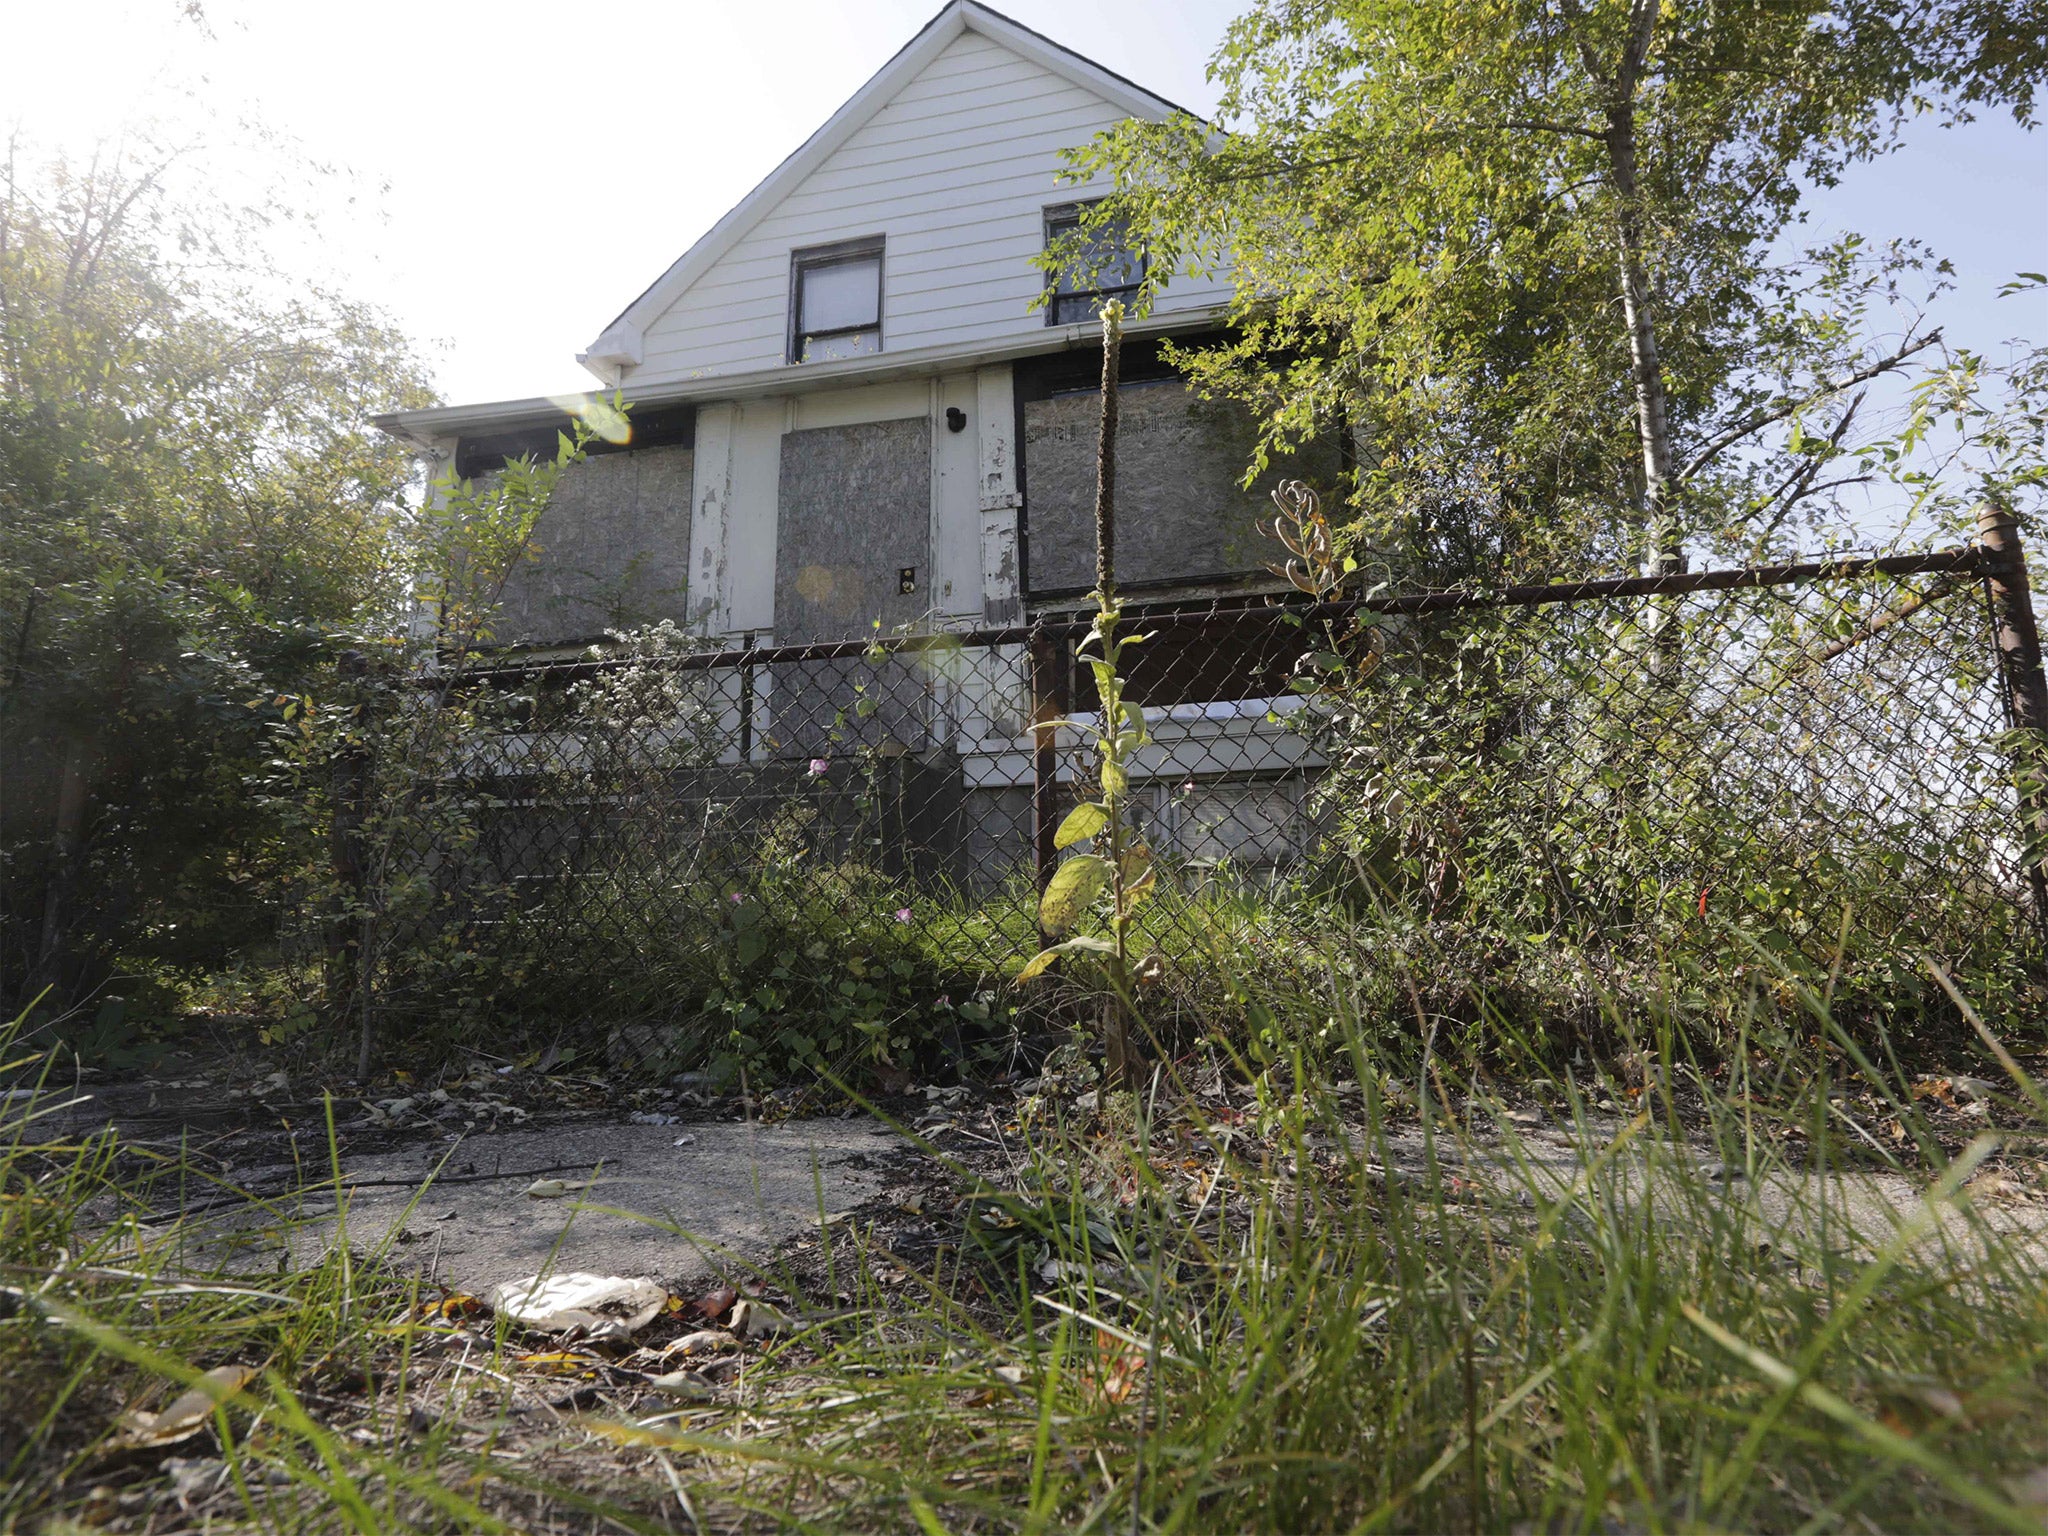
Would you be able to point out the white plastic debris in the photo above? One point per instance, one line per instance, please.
(594, 1306)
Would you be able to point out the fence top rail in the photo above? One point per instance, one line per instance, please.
(1969, 560)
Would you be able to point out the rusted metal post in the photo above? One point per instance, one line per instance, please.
(1048, 703)
(2018, 639)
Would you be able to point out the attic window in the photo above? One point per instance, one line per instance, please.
(1104, 268)
(835, 301)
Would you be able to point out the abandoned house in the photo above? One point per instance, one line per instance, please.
(856, 399)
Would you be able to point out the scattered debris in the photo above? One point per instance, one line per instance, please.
(189, 1412)
(684, 1384)
(599, 1308)
(754, 1318)
(705, 1341)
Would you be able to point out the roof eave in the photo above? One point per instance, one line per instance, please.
(438, 423)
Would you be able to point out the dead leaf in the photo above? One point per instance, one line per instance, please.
(757, 1319)
(554, 1189)
(454, 1306)
(188, 1413)
(1121, 1367)
(713, 1304)
(705, 1341)
(558, 1359)
(684, 1384)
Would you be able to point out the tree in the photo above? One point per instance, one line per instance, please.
(195, 512)
(1532, 253)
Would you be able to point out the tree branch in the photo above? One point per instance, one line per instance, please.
(1786, 408)
(1800, 483)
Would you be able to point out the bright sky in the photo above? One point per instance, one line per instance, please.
(533, 166)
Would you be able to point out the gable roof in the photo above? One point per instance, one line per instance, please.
(621, 341)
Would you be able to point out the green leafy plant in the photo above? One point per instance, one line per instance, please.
(1123, 871)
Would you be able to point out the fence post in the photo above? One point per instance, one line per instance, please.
(349, 785)
(2018, 641)
(1048, 703)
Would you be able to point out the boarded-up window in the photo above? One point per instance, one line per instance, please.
(612, 551)
(855, 512)
(1181, 514)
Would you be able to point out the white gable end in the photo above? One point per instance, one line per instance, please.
(954, 170)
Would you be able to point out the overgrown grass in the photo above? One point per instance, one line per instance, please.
(1388, 1306)
(1266, 1293)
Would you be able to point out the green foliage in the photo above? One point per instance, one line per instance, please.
(193, 507)
(1538, 259)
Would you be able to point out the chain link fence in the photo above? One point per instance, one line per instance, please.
(1546, 802)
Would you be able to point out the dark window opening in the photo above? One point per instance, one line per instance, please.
(1103, 266)
(835, 301)
(1185, 664)
(649, 426)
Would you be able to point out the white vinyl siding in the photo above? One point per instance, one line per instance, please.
(956, 172)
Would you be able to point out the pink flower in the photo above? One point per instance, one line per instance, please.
(736, 898)
(903, 914)
(945, 1000)
(819, 765)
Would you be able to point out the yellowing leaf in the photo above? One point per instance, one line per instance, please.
(1038, 963)
(1082, 823)
(1080, 943)
(1075, 885)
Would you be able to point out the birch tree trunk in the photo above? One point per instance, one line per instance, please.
(1663, 538)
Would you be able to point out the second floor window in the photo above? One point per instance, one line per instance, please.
(836, 301)
(1104, 266)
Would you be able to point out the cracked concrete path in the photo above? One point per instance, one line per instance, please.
(727, 1196)
(1787, 1205)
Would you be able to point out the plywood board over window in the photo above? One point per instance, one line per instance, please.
(854, 514)
(611, 552)
(1182, 516)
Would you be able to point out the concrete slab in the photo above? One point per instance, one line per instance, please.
(728, 1196)
(1855, 1213)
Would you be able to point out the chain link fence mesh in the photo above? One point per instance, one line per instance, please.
(1552, 804)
